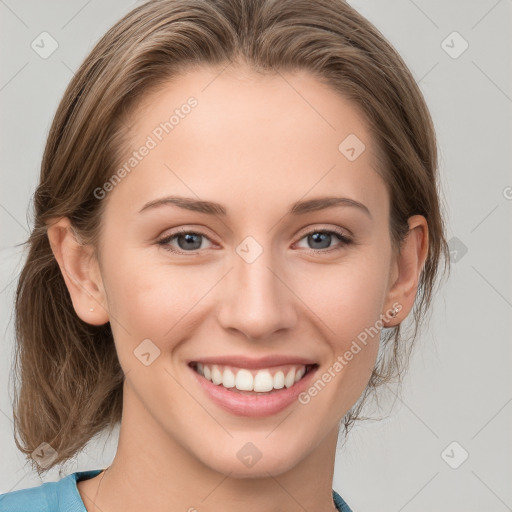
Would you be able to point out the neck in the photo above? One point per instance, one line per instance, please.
(152, 470)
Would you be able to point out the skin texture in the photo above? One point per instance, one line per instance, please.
(256, 145)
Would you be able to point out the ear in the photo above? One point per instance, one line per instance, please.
(406, 270)
(81, 272)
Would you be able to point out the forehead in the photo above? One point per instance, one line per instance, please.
(247, 138)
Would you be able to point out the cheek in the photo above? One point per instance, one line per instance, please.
(347, 307)
(347, 301)
(150, 297)
(347, 297)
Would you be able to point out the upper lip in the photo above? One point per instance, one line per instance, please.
(249, 362)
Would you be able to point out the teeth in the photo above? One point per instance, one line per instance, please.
(262, 381)
(216, 375)
(279, 380)
(228, 379)
(244, 380)
(289, 379)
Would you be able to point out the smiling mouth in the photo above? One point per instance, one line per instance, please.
(250, 381)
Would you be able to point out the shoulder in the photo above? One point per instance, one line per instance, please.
(340, 503)
(57, 496)
(35, 499)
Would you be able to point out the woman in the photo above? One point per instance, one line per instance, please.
(288, 144)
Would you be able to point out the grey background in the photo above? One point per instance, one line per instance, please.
(459, 384)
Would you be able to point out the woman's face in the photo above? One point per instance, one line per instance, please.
(255, 287)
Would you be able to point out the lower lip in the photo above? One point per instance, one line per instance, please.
(254, 405)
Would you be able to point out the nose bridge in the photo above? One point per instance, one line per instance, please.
(258, 302)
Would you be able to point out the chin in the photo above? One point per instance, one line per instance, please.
(258, 459)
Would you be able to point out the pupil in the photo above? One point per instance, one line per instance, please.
(190, 239)
(317, 238)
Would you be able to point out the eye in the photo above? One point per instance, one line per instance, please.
(321, 239)
(187, 241)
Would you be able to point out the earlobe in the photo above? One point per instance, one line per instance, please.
(80, 271)
(411, 261)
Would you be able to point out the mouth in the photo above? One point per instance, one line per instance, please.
(262, 381)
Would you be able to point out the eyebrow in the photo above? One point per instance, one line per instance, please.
(212, 208)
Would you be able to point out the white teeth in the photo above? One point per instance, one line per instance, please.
(216, 375)
(228, 379)
(244, 380)
(289, 379)
(279, 380)
(263, 381)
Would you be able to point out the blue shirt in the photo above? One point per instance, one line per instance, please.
(63, 496)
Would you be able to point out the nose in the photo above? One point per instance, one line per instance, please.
(256, 299)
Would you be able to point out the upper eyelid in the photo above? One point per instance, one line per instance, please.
(337, 230)
(303, 234)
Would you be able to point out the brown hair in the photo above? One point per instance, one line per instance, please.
(70, 380)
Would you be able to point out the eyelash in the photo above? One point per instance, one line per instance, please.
(164, 242)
